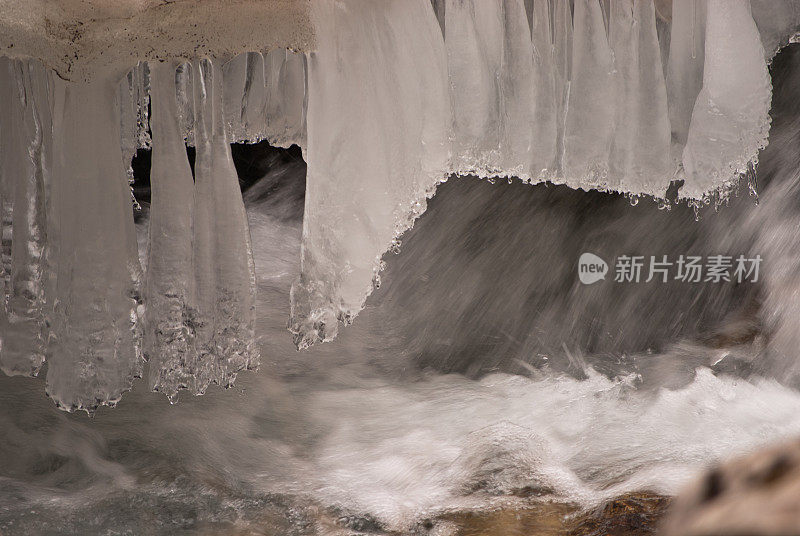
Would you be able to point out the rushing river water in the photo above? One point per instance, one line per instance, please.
(481, 373)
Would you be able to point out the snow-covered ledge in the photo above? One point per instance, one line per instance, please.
(81, 38)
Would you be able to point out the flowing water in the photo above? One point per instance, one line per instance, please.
(482, 373)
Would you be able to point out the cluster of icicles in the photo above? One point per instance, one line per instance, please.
(385, 109)
(75, 291)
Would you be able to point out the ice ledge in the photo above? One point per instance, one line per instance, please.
(576, 98)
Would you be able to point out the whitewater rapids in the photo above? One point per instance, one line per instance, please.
(330, 427)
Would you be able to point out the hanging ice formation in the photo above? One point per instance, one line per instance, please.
(534, 91)
(388, 99)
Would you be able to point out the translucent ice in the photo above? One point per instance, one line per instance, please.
(368, 87)
(562, 64)
(503, 88)
(254, 102)
(547, 101)
(94, 356)
(590, 112)
(222, 254)
(264, 97)
(517, 93)
(184, 89)
(169, 283)
(474, 39)
(584, 101)
(134, 101)
(777, 21)
(685, 67)
(730, 120)
(285, 74)
(26, 166)
(235, 76)
(639, 159)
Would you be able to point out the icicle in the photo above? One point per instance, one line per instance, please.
(685, 67)
(663, 28)
(375, 151)
(27, 163)
(517, 92)
(730, 121)
(7, 102)
(94, 357)
(141, 79)
(184, 91)
(234, 75)
(255, 99)
(134, 103)
(544, 124)
(562, 63)
(639, 160)
(590, 114)
(497, 102)
(474, 55)
(169, 318)
(286, 87)
(223, 258)
(129, 119)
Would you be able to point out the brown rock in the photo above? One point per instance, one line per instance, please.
(756, 495)
(635, 514)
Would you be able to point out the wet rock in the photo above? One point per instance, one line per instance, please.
(756, 495)
(635, 514)
(547, 519)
